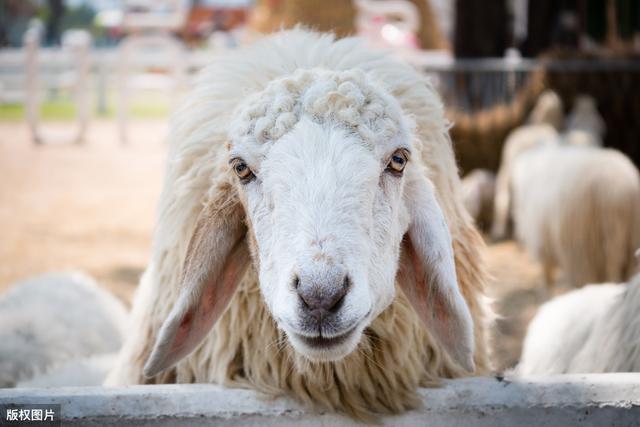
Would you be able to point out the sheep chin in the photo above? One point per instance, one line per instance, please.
(333, 350)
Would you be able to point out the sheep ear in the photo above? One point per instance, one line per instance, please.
(217, 258)
(428, 274)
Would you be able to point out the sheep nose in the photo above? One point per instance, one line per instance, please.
(322, 296)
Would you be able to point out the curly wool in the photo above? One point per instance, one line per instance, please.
(347, 98)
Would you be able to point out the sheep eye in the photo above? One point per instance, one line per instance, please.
(242, 170)
(398, 161)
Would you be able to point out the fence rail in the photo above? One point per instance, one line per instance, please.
(564, 400)
(489, 81)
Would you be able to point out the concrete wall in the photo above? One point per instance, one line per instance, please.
(567, 400)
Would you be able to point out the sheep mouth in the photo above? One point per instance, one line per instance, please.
(319, 342)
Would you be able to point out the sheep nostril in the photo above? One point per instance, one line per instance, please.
(338, 297)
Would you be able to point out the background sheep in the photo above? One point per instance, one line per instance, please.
(76, 372)
(266, 90)
(578, 208)
(478, 190)
(544, 122)
(584, 125)
(51, 319)
(548, 110)
(593, 329)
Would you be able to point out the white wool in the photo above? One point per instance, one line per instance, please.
(578, 208)
(548, 110)
(583, 127)
(478, 191)
(542, 128)
(518, 141)
(585, 117)
(77, 372)
(347, 98)
(590, 330)
(48, 320)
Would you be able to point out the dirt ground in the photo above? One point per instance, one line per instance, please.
(91, 207)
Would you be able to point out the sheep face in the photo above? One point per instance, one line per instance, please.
(328, 217)
(322, 171)
(320, 159)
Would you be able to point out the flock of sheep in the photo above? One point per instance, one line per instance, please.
(575, 207)
(312, 241)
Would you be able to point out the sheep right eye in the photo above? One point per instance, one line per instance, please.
(398, 161)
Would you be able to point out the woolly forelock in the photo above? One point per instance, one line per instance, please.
(245, 349)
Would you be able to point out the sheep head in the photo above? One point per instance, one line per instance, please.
(337, 210)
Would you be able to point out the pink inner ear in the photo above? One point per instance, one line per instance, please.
(422, 291)
(183, 330)
(410, 270)
(205, 311)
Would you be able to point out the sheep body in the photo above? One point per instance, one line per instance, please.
(518, 141)
(593, 329)
(584, 127)
(478, 191)
(76, 372)
(245, 348)
(544, 121)
(578, 208)
(48, 320)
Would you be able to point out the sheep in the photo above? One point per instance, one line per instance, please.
(51, 319)
(593, 329)
(478, 190)
(578, 208)
(548, 110)
(76, 372)
(544, 122)
(294, 253)
(584, 125)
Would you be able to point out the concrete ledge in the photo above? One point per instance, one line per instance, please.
(564, 400)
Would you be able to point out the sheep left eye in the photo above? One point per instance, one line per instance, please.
(398, 161)
(242, 170)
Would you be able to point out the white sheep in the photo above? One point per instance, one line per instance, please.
(478, 191)
(309, 180)
(578, 208)
(49, 320)
(584, 125)
(76, 372)
(548, 110)
(593, 329)
(544, 122)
